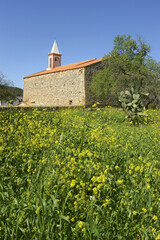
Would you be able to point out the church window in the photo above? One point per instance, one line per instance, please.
(50, 64)
(56, 62)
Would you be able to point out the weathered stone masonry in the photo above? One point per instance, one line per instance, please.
(56, 89)
(62, 88)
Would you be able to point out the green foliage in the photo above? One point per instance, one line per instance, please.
(101, 84)
(7, 91)
(133, 106)
(78, 174)
(128, 65)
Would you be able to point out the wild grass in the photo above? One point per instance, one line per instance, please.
(79, 174)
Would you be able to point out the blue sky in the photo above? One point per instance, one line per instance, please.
(83, 30)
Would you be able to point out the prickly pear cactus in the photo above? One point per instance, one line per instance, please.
(132, 104)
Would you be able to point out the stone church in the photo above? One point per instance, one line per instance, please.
(61, 86)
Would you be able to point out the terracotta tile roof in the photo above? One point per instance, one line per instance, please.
(67, 67)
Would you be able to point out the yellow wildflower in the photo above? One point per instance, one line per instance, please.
(120, 181)
(80, 224)
(144, 210)
(134, 213)
(154, 217)
(137, 168)
(158, 237)
(116, 167)
(73, 183)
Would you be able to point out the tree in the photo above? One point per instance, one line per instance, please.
(128, 65)
(6, 92)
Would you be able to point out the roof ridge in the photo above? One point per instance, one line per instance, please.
(90, 60)
(78, 63)
(66, 67)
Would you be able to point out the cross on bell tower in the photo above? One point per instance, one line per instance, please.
(54, 58)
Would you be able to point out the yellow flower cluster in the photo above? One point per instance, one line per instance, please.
(78, 173)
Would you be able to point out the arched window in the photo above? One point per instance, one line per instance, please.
(56, 62)
(50, 62)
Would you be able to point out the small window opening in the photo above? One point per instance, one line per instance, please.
(50, 64)
(56, 62)
(70, 102)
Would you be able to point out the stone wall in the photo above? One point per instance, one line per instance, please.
(56, 89)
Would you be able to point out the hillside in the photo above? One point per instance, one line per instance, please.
(8, 93)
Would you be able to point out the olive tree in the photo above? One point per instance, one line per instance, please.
(128, 65)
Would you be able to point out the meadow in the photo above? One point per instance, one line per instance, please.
(77, 174)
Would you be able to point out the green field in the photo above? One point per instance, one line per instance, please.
(79, 174)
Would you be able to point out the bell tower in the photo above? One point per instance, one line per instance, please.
(54, 58)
